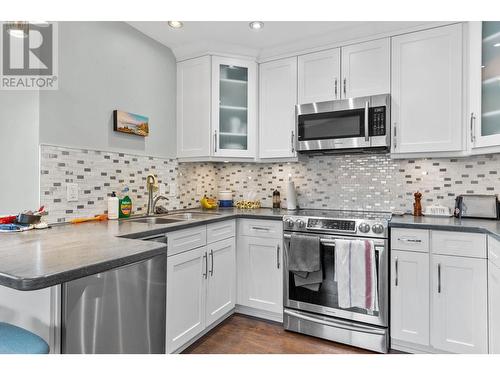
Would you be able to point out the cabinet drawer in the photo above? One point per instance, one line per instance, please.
(458, 244)
(494, 251)
(410, 239)
(186, 239)
(260, 228)
(221, 231)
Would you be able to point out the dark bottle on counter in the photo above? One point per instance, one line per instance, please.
(276, 199)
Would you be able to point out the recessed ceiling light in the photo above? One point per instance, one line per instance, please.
(175, 24)
(496, 45)
(256, 25)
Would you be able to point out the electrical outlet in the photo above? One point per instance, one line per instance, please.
(173, 190)
(162, 189)
(72, 192)
(199, 189)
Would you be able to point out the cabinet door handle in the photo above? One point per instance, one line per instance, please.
(335, 87)
(278, 256)
(409, 240)
(439, 277)
(367, 107)
(212, 262)
(395, 136)
(396, 281)
(215, 141)
(260, 228)
(472, 127)
(345, 89)
(292, 143)
(206, 265)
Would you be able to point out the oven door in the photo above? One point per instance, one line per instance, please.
(339, 124)
(325, 301)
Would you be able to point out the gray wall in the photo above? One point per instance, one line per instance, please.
(105, 66)
(19, 169)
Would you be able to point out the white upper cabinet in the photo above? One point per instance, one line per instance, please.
(234, 107)
(277, 100)
(484, 99)
(366, 68)
(319, 76)
(427, 91)
(193, 107)
(459, 304)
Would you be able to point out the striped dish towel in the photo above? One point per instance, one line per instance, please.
(355, 274)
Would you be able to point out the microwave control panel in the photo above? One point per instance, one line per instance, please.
(377, 123)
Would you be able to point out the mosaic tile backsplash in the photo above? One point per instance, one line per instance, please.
(361, 182)
(98, 174)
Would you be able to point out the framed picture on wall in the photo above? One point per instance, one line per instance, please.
(131, 123)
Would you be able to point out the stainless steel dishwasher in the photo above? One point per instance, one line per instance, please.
(118, 311)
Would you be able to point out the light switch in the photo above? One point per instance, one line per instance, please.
(72, 192)
(162, 189)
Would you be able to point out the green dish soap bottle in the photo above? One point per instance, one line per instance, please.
(125, 205)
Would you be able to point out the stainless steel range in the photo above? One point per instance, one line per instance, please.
(323, 312)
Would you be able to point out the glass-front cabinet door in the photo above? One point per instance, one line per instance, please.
(233, 107)
(485, 85)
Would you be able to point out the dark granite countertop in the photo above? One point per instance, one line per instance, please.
(38, 259)
(490, 227)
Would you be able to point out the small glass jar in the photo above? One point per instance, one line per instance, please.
(276, 199)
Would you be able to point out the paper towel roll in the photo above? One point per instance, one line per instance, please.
(291, 196)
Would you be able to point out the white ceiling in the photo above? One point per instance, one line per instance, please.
(276, 38)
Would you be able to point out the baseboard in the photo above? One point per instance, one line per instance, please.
(410, 348)
(262, 314)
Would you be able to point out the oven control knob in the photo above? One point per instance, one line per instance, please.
(289, 223)
(364, 227)
(301, 223)
(378, 228)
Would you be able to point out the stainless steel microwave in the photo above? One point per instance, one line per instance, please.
(356, 124)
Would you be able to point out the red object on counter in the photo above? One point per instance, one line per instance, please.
(7, 219)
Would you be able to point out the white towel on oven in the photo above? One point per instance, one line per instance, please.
(355, 274)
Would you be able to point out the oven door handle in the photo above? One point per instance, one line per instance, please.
(331, 323)
(378, 246)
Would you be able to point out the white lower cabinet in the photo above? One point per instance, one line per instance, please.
(185, 297)
(221, 280)
(459, 304)
(201, 282)
(260, 275)
(410, 296)
(494, 307)
(439, 302)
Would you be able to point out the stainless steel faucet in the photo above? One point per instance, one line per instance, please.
(151, 185)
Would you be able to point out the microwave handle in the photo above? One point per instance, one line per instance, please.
(367, 136)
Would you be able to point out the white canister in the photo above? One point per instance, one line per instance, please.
(113, 203)
(225, 195)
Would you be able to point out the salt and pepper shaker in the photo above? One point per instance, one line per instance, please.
(276, 199)
(417, 206)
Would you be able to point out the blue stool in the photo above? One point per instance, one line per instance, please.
(16, 340)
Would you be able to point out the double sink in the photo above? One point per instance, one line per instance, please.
(173, 217)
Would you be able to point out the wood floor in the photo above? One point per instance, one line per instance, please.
(241, 334)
